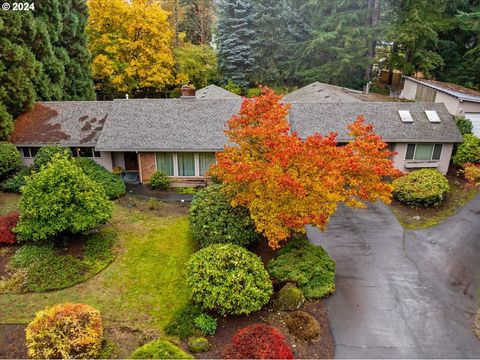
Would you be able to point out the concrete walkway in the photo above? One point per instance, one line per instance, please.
(403, 294)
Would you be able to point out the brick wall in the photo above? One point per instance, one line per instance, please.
(147, 166)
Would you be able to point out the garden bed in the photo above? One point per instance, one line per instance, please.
(420, 218)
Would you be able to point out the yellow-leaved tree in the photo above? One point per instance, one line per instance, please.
(131, 45)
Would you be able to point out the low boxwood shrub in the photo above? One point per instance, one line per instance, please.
(213, 220)
(258, 341)
(206, 324)
(468, 151)
(289, 298)
(160, 349)
(425, 187)
(182, 323)
(197, 344)
(303, 325)
(45, 154)
(65, 331)
(159, 181)
(305, 264)
(14, 183)
(9, 159)
(228, 279)
(112, 184)
(7, 223)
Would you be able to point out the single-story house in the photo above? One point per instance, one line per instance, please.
(181, 136)
(459, 100)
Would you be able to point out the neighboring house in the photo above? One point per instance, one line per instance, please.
(318, 92)
(215, 92)
(459, 100)
(181, 136)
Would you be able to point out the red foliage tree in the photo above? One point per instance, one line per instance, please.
(7, 223)
(287, 182)
(258, 341)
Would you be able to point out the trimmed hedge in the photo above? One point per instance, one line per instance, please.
(468, 151)
(425, 187)
(65, 331)
(258, 341)
(305, 264)
(112, 184)
(213, 220)
(45, 155)
(9, 159)
(160, 349)
(159, 181)
(228, 279)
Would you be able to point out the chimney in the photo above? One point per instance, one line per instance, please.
(187, 92)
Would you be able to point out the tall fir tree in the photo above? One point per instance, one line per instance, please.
(236, 39)
(197, 22)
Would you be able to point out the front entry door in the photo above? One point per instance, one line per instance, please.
(131, 161)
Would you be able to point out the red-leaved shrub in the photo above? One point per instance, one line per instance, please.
(7, 223)
(258, 341)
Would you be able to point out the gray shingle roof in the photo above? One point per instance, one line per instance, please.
(71, 123)
(167, 124)
(215, 92)
(319, 93)
(307, 119)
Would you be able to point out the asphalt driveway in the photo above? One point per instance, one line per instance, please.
(403, 294)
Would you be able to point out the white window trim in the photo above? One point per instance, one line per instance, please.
(431, 154)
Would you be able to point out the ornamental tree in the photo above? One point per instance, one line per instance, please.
(60, 199)
(287, 182)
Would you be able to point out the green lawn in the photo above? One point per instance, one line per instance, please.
(140, 289)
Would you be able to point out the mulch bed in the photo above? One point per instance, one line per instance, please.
(157, 207)
(321, 348)
(12, 342)
(6, 253)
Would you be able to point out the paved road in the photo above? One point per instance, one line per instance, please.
(403, 294)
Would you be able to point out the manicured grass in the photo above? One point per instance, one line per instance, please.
(140, 289)
(8, 202)
(431, 216)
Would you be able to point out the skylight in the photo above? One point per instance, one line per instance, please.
(432, 116)
(405, 116)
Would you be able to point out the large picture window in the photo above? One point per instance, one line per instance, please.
(425, 152)
(186, 164)
(85, 152)
(165, 163)
(205, 160)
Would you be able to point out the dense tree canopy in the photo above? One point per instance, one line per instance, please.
(198, 63)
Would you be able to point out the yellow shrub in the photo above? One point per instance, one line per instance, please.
(65, 331)
(472, 174)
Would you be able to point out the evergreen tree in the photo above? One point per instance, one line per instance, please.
(236, 40)
(197, 22)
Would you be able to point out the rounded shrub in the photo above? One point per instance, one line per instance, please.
(65, 331)
(303, 325)
(425, 187)
(289, 298)
(45, 154)
(228, 279)
(159, 181)
(206, 324)
(9, 159)
(468, 151)
(213, 220)
(198, 344)
(160, 349)
(258, 341)
(471, 172)
(112, 184)
(306, 265)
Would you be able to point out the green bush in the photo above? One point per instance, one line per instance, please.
(303, 325)
(468, 151)
(198, 344)
(182, 324)
(45, 155)
(9, 159)
(60, 199)
(112, 184)
(289, 298)
(206, 324)
(14, 183)
(464, 125)
(159, 181)
(305, 264)
(213, 220)
(425, 187)
(160, 349)
(228, 279)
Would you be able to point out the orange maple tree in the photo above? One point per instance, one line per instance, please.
(287, 182)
